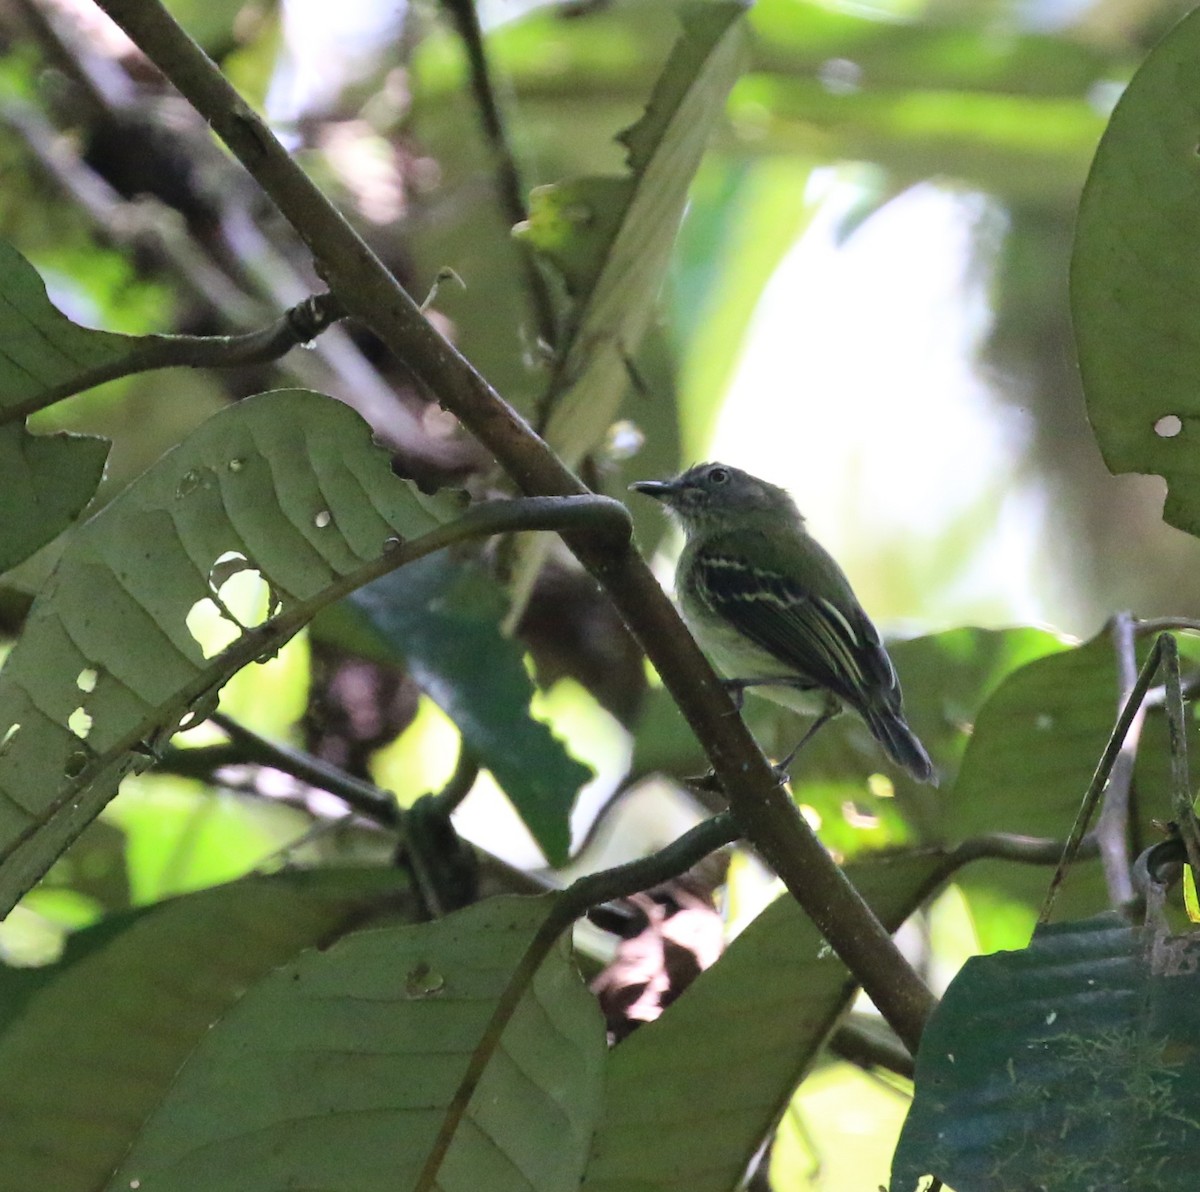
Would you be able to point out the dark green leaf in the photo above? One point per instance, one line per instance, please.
(1070, 1065)
(1135, 276)
(441, 619)
(43, 354)
(48, 480)
(347, 1063)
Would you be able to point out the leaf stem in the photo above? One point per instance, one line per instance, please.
(1112, 825)
(1181, 793)
(1116, 740)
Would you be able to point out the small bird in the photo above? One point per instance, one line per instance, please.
(771, 608)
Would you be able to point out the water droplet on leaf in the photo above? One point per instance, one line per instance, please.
(423, 981)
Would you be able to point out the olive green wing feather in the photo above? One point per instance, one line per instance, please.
(829, 643)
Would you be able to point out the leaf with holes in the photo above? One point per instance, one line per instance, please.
(400, 1058)
(1135, 276)
(90, 1045)
(285, 489)
(611, 237)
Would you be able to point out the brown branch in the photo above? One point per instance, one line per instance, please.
(765, 812)
(296, 326)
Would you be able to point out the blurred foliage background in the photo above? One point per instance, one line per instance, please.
(867, 303)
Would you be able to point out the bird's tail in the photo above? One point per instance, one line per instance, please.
(892, 732)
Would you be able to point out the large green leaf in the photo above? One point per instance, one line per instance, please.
(441, 619)
(89, 1045)
(286, 485)
(612, 236)
(1034, 747)
(1070, 1065)
(1135, 276)
(681, 1114)
(340, 1071)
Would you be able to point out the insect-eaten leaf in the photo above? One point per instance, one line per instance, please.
(287, 486)
(1135, 281)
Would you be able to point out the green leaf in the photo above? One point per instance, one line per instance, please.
(89, 1045)
(1135, 279)
(48, 479)
(286, 486)
(682, 1115)
(440, 618)
(1031, 755)
(612, 236)
(348, 1062)
(1070, 1065)
(44, 356)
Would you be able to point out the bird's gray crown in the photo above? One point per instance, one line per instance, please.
(713, 493)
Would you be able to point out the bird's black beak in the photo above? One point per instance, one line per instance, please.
(658, 489)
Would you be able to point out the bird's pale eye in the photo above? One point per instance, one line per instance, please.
(719, 475)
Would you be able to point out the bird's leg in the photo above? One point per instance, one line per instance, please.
(831, 709)
(736, 688)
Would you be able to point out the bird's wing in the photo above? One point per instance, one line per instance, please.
(829, 642)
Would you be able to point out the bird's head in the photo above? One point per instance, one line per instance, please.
(710, 496)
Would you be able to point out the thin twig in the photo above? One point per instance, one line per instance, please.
(1022, 850)
(296, 326)
(1181, 793)
(1103, 769)
(459, 784)
(867, 1046)
(374, 803)
(1112, 825)
(769, 817)
(1166, 625)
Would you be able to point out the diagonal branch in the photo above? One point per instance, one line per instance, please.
(765, 812)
